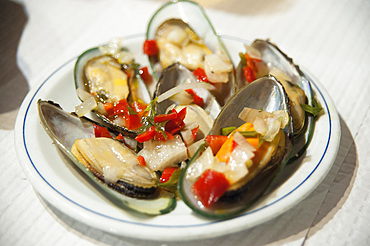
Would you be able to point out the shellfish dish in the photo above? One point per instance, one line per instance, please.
(185, 126)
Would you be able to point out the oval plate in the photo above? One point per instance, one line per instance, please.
(56, 181)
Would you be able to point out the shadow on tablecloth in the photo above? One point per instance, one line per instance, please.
(13, 85)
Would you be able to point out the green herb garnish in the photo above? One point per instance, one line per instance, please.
(243, 60)
(227, 130)
(249, 134)
(171, 184)
(315, 109)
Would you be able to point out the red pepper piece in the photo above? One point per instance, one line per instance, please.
(181, 115)
(139, 108)
(167, 173)
(210, 186)
(200, 74)
(101, 132)
(164, 117)
(175, 125)
(120, 107)
(132, 121)
(120, 137)
(250, 69)
(147, 135)
(249, 74)
(141, 160)
(195, 132)
(108, 108)
(150, 47)
(197, 99)
(215, 142)
(145, 75)
(160, 137)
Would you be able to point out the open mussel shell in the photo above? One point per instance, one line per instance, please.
(64, 129)
(136, 89)
(197, 32)
(297, 86)
(176, 75)
(268, 94)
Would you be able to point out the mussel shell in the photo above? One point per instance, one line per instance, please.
(268, 94)
(175, 75)
(272, 56)
(65, 128)
(193, 16)
(134, 83)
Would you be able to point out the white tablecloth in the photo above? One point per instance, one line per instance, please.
(330, 39)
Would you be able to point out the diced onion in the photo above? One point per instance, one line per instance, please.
(161, 154)
(187, 136)
(243, 143)
(204, 162)
(85, 107)
(265, 123)
(218, 63)
(83, 95)
(183, 87)
(192, 149)
(217, 67)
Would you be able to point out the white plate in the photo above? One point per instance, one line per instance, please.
(65, 189)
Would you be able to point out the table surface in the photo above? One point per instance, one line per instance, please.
(330, 39)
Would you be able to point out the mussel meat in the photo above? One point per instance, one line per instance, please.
(109, 80)
(108, 163)
(182, 33)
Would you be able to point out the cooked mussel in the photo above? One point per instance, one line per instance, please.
(109, 164)
(267, 58)
(222, 181)
(183, 34)
(263, 57)
(184, 90)
(107, 78)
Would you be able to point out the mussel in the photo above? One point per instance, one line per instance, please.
(263, 57)
(202, 106)
(182, 32)
(220, 182)
(109, 164)
(109, 77)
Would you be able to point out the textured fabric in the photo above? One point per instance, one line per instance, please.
(330, 39)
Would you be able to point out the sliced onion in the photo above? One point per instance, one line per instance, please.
(182, 98)
(161, 154)
(82, 94)
(243, 143)
(187, 136)
(183, 87)
(248, 114)
(260, 125)
(85, 107)
(204, 162)
(218, 63)
(192, 149)
(217, 68)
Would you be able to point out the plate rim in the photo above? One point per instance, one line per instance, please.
(24, 157)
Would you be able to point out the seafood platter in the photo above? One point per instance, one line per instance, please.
(179, 130)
